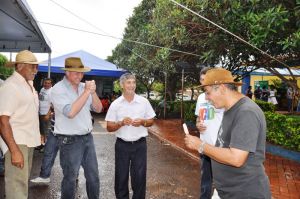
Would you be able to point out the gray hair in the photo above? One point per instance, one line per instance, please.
(232, 87)
(125, 77)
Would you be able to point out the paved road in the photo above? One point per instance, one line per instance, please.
(171, 174)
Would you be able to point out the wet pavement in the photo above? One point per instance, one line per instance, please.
(170, 173)
(284, 174)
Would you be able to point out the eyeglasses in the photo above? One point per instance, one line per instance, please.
(208, 92)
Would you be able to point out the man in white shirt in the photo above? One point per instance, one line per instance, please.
(208, 123)
(128, 116)
(44, 109)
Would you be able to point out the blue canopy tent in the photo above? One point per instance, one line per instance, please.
(99, 66)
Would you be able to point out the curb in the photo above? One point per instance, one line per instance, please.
(285, 153)
(193, 156)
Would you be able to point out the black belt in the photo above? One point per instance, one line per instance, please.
(132, 142)
(62, 135)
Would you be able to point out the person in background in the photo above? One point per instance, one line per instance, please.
(272, 97)
(289, 97)
(264, 94)
(128, 116)
(239, 152)
(44, 110)
(208, 123)
(50, 152)
(72, 101)
(249, 92)
(257, 93)
(19, 124)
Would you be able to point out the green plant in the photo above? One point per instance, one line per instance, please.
(4, 71)
(283, 130)
(265, 106)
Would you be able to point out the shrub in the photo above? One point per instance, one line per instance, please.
(283, 130)
(265, 106)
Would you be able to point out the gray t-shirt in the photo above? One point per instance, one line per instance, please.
(243, 127)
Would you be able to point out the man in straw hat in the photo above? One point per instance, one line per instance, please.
(19, 123)
(72, 101)
(239, 153)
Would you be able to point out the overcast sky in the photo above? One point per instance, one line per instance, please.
(110, 16)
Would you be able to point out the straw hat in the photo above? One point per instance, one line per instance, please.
(24, 57)
(74, 64)
(217, 76)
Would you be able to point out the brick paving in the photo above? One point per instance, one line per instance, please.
(284, 174)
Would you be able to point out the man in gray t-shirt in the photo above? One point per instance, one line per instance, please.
(237, 157)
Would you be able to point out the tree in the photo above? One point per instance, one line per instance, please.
(271, 25)
(4, 71)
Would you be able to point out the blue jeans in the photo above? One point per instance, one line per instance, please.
(50, 152)
(75, 151)
(1, 162)
(206, 178)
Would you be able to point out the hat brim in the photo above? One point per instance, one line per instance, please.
(13, 63)
(236, 83)
(81, 70)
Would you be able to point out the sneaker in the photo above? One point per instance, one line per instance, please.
(39, 180)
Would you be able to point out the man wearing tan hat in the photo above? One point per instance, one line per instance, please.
(239, 153)
(19, 123)
(72, 101)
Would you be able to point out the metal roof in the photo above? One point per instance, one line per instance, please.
(19, 28)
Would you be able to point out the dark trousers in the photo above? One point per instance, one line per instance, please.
(130, 156)
(206, 178)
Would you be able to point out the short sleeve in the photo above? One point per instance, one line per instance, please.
(8, 102)
(111, 115)
(245, 131)
(149, 114)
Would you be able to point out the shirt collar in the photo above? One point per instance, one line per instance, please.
(66, 82)
(135, 99)
(19, 77)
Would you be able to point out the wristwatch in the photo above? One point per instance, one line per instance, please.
(201, 147)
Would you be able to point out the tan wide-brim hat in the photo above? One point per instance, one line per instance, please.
(218, 76)
(23, 57)
(74, 64)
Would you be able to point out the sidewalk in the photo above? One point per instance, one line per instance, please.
(284, 174)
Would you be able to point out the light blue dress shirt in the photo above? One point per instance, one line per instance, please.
(62, 97)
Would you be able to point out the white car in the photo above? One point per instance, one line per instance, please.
(185, 97)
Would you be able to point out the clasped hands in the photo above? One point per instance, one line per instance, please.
(90, 86)
(134, 122)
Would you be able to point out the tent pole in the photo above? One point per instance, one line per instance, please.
(49, 65)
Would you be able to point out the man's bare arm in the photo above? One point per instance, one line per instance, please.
(7, 135)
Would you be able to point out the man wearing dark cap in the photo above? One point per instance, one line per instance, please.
(239, 153)
(19, 123)
(72, 101)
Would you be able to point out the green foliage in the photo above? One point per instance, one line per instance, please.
(283, 130)
(174, 108)
(274, 26)
(4, 71)
(158, 87)
(265, 106)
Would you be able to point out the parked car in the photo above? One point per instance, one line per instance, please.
(185, 97)
(152, 95)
